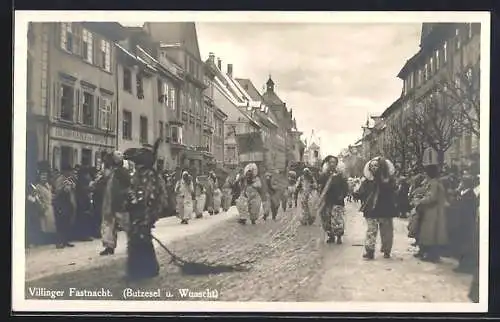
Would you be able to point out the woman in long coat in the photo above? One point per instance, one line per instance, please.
(184, 190)
(433, 232)
(42, 197)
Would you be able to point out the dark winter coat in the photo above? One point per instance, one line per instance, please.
(378, 199)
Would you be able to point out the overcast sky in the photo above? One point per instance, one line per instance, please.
(332, 75)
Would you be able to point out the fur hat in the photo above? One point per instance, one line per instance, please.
(367, 170)
(253, 168)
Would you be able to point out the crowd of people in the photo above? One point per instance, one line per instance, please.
(128, 194)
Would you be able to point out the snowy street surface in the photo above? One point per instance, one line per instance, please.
(290, 263)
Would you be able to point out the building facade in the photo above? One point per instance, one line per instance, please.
(178, 42)
(447, 51)
(72, 107)
(283, 142)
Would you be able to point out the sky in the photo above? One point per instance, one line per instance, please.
(333, 76)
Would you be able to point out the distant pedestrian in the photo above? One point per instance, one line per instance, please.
(378, 197)
(200, 195)
(333, 187)
(227, 195)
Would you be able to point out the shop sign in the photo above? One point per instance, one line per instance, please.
(75, 135)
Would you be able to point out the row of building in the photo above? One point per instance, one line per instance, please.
(447, 51)
(94, 87)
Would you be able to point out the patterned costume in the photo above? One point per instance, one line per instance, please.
(306, 187)
(333, 187)
(145, 206)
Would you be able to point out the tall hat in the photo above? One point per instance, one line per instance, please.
(145, 156)
(367, 173)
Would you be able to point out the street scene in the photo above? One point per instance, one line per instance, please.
(156, 172)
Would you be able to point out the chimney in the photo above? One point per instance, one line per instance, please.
(230, 70)
(211, 58)
(219, 64)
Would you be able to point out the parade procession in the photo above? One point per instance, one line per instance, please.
(150, 167)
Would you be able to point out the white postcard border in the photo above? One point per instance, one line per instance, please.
(19, 303)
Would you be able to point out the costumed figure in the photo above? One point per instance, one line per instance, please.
(185, 190)
(242, 200)
(378, 196)
(64, 205)
(200, 199)
(227, 194)
(266, 197)
(333, 187)
(114, 213)
(84, 215)
(292, 181)
(307, 188)
(41, 196)
(251, 194)
(216, 192)
(144, 208)
(274, 195)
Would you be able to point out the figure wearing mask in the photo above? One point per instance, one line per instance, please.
(333, 187)
(250, 200)
(145, 207)
(306, 188)
(378, 197)
(185, 190)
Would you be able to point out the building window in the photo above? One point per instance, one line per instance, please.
(105, 52)
(127, 80)
(88, 109)
(105, 114)
(144, 130)
(162, 91)
(171, 98)
(431, 66)
(167, 133)
(86, 159)
(67, 156)
(457, 39)
(87, 46)
(160, 126)
(67, 37)
(127, 125)
(176, 134)
(140, 86)
(445, 52)
(67, 102)
(438, 65)
(469, 30)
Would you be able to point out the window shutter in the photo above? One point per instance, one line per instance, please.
(75, 157)
(56, 101)
(78, 105)
(62, 32)
(112, 116)
(98, 113)
(97, 52)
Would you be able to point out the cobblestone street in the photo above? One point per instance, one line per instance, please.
(291, 263)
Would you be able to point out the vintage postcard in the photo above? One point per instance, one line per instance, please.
(249, 161)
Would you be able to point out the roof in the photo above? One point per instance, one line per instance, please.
(249, 89)
(272, 98)
(393, 107)
(409, 65)
(175, 33)
(136, 58)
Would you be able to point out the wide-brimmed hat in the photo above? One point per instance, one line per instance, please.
(369, 175)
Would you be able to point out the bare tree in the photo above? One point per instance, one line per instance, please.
(436, 123)
(462, 94)
(396, 145)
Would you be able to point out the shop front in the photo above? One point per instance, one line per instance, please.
(70, 146)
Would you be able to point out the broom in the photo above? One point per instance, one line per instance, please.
(203, 268)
